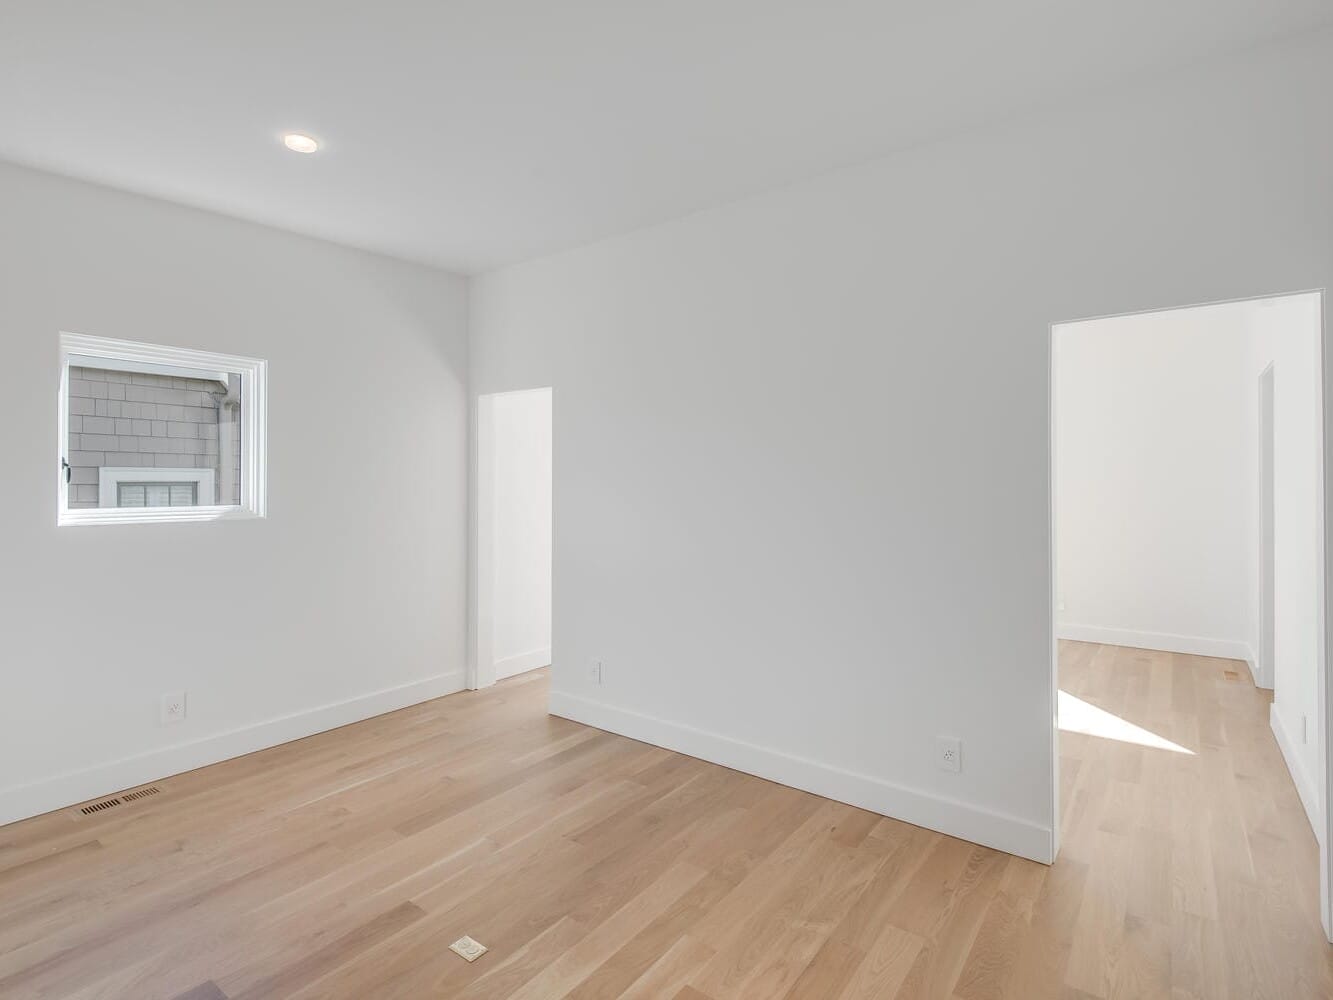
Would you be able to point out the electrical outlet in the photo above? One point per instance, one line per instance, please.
(469, 948)
(949, 753)
(595, 671)
(173, 707)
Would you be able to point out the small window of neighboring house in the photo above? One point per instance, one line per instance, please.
(152, 433)
(156, 494)
(140, 487)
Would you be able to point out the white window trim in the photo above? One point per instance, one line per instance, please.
(80, 350)
(149, 368)
(109, 478)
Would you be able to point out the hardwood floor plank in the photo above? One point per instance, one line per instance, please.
(667, 976)
(990, 964)
(204, 991)
(571, 968)
(827, 975)
(335, 953)
(667, 934)
(886, 966)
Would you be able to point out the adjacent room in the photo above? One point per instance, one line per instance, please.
(666, 500)
(512, 621)
(1189, 575)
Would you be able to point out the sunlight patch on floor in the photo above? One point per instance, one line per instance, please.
(1077, 716)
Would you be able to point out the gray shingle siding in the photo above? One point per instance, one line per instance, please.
(150, 421)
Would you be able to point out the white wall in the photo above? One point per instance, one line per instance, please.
(1286, 333)
(1156, 480)
(349, 599)
(521, 605)
(803, 468)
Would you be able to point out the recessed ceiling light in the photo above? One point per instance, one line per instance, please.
(299, 143)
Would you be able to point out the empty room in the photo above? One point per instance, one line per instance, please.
(1188, 573)
(665, 500)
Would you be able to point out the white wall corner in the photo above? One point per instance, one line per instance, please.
(1305, 786)
(522, 663)
(62, 790)
(1256, 675)
(948, 816)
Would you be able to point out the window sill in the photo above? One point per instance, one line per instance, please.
(153, 515)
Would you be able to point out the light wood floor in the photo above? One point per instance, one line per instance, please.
(343, 866)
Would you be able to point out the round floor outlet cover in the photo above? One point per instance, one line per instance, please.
(468, 948)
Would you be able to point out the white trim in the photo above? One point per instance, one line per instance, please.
(1300, 777)
(1190, 305)
(522, 663)
(481, 668)
(153, 515)
(62, 438)
(1227, 649)
(59, 791)
(1052, 706)
(949, 816)
(107, 348)
(109, 478)
(148, 368)
(129, 355)
(1324, 700)
(1264, 667)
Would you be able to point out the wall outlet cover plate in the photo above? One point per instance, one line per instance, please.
(949, 754)
(173, 707)
(469, 949)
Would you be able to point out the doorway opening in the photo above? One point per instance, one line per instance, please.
(512, 615)
(1189, 598)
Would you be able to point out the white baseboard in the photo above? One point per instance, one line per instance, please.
(957, 819)
(21, 801)
(1300, 777)
(522, 663)
(1167, 642)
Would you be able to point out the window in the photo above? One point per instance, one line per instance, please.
(157, 494)
(151, 433)
(142, 487)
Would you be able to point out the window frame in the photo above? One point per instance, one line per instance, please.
(129, 355)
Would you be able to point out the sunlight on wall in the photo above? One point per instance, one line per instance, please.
(1077, 716)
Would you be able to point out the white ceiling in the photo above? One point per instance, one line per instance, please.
(473, 133)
